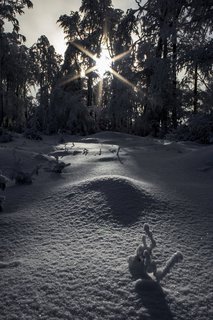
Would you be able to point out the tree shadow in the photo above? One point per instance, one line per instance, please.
(153, 299)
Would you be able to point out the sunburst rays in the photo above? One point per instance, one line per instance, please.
(101, 67)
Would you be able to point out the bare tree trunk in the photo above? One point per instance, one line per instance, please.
(196, 89)
(89, 91)
(174, 77)
(159, 47)
(1, 103)
(1, 83)
(164, 112)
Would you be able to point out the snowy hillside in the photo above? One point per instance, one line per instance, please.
(65, 239)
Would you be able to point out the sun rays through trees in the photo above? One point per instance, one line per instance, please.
(145, 71)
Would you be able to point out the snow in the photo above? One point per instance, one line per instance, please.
(65, 240)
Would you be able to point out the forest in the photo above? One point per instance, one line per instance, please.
(106, 161)
(155, 79)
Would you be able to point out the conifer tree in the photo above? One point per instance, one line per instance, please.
(11, 52)
(46, 72)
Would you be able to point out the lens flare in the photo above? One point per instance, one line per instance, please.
(103, 63)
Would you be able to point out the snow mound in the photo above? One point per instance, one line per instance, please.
(90, 140)
(123, 138)
(44, 158)
(174, 146)
(74, 232)
(124, 200)
(200, 160)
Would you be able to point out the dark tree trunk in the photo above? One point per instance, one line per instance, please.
(164, 112)
(174, 78)
(1, 102)
(89, 91)
(195, 89)
(159, 47)
(1, 82)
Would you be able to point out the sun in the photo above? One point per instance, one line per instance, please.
(103, 63)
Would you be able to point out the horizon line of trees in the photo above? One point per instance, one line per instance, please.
(168, 69)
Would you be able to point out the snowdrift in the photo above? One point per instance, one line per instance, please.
(65, 239)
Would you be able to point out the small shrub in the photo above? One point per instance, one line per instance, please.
(199, 128)
(19, 175)
(32, 134)
(5, 136)
(57, 166)
(2, 199)
(23, 178)
(3, 182)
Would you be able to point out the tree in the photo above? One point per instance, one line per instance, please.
(123, 93)
(46, 72)
(10, 8)
(87, 32)
(197, 46)
(16, 78)
(8, 11)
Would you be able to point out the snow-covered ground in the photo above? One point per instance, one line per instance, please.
(65, 239)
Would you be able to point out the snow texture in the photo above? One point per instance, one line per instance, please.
(65, 239)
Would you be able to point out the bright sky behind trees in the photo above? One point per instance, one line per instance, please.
(107, 81)
(42, 19)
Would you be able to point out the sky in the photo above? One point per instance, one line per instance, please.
(41, 20)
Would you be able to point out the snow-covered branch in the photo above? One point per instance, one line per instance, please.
(142, 264)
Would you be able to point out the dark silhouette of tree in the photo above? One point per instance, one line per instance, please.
(121, 105)
(12, 57)
(46, 73)
(9, 10)
(175, 40)
(160, 74)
